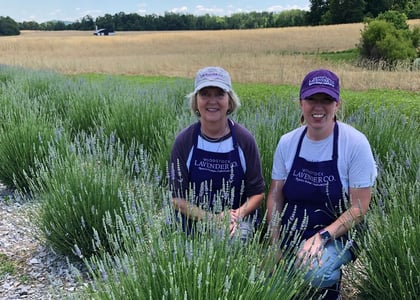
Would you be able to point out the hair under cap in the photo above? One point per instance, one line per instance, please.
(212, 76)
(320, 81)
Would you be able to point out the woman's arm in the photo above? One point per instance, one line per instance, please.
(250, 205)
(275, 204)
(359, 205)
(190, 210)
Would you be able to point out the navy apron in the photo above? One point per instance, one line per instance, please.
(313, 193)
(212, 176)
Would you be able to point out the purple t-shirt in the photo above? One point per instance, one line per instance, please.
(248, 151)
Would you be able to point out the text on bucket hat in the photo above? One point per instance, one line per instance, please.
(320, 81)
(212, 76)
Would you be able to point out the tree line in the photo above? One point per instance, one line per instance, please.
(322, 12)
(325, 12)
(173, 21)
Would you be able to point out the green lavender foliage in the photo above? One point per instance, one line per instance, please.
(35, 103)
(18, 147)
(28, 120)
(389, 262)
(406, 103)
(78, 186)
(49, 123)
(85, 103)
(25, 131)
(148, 115)
(267, 123)
(387, 130)
(390, 259)
(156, 260)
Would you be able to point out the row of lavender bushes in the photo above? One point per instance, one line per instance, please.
(93, 154)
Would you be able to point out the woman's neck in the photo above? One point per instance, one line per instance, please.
(215, 131)
(318, 134)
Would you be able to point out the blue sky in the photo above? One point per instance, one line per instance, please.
(71, 10)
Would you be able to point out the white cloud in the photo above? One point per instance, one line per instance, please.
(278, 8)
(32, 18)
(142, 8)
(179, 10)
(201, 10)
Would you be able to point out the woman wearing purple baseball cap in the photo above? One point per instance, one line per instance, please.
(215, 167)
(322, 177)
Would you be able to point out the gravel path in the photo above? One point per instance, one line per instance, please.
(28, 269)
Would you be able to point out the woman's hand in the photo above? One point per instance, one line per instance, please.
(310, 250)
(234, 219)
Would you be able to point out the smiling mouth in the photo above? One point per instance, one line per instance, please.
(318, 115)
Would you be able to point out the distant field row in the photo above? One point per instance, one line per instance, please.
(277, 55)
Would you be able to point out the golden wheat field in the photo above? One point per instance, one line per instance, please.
(276, 55)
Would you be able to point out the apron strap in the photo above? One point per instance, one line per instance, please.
(335, 142)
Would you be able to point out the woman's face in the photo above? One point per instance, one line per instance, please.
(319, 110)
(213, 104)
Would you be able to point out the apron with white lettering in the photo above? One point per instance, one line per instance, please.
(313, 193)
(216, 179)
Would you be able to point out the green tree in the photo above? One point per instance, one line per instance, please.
(318, 8)
(400, 5)
(399, 20)
(54, 25)
(106, 21)
(388, 38)
(413, 10)
(346, 11)
(29, 25)
(293, 17)
(8, 26)
(120, 21)
(87, 23)
(236, 21)
(374, 8)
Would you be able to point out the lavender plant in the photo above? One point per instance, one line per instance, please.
(149, 116)
(157, 260)
(22, 140)
(268, 123)
(102, 201)
(390, 260)
(78, 187)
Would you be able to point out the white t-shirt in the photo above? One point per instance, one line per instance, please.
(356, 165)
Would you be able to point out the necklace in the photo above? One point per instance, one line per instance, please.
(217, 139)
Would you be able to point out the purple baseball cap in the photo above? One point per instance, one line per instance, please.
(320, 81)
(212, 76)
